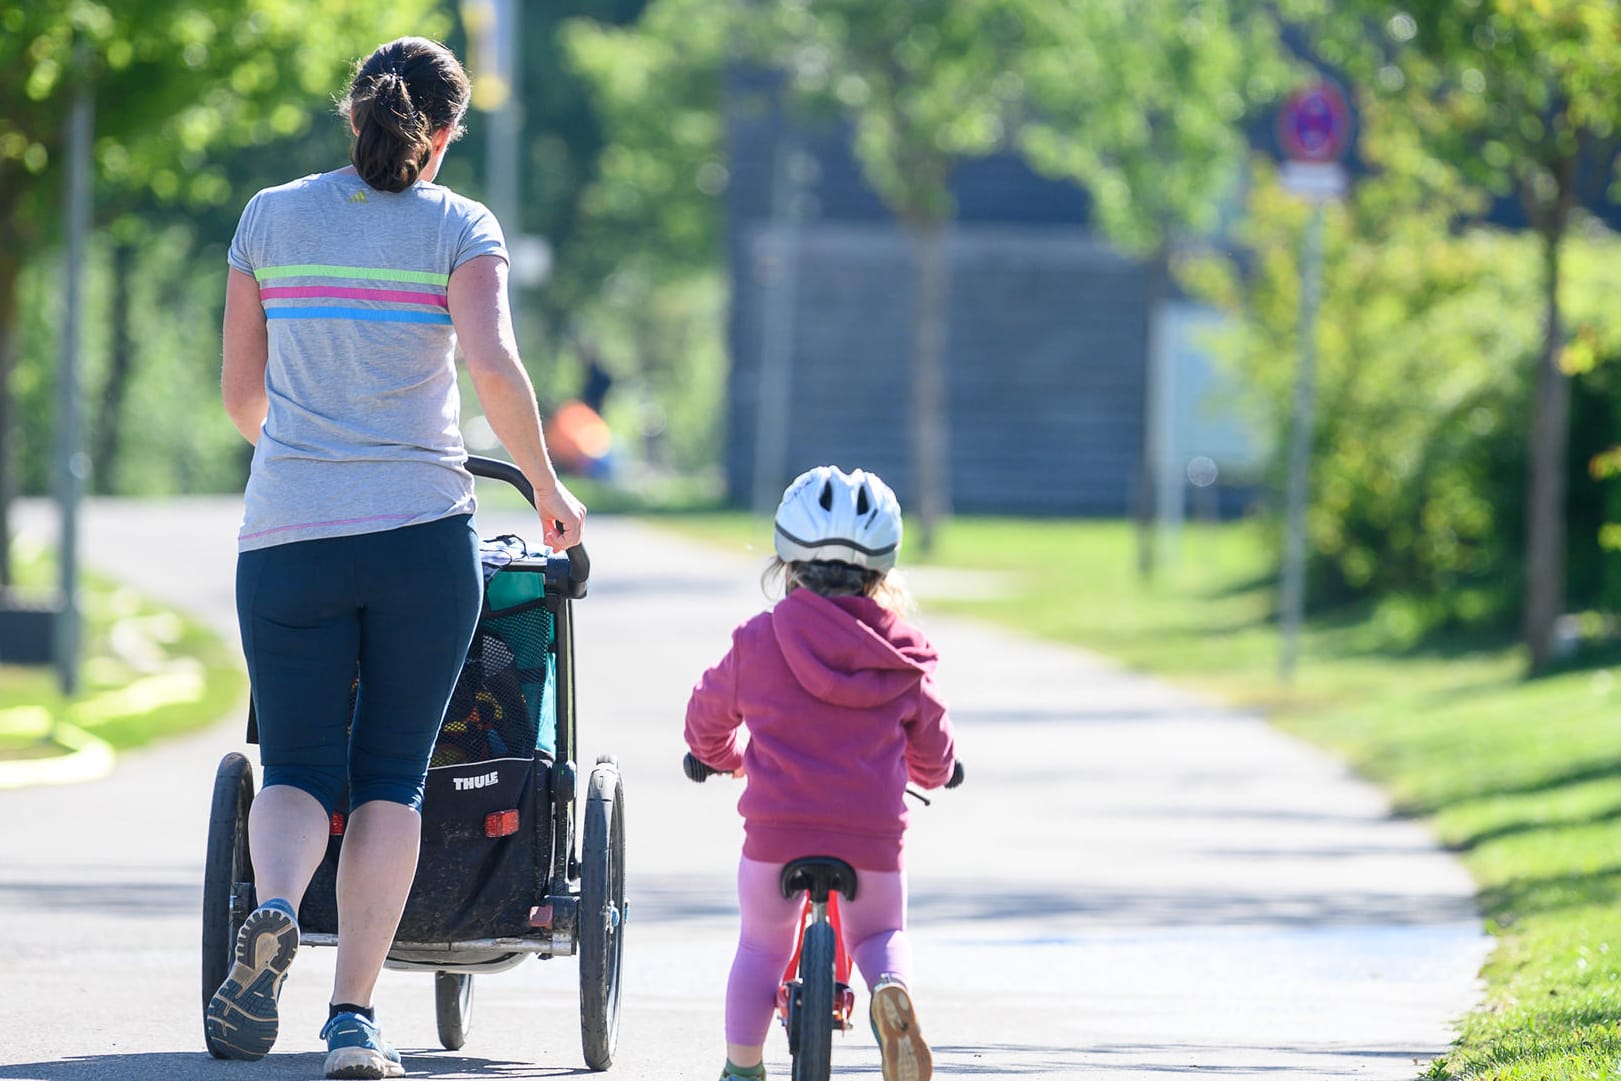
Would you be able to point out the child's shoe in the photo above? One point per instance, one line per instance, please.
(742, 1073)
(900, 1041)
(241, 1017)
(355, 1048)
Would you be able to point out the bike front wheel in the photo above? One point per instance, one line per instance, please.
(813, 1058)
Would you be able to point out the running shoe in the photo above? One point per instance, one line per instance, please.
(355, 1048)
(241, 1019)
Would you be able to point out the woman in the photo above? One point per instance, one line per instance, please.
(347, 295)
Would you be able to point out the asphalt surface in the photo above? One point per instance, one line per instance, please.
(1133, 884)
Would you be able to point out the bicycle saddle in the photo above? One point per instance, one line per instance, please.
(819, 875)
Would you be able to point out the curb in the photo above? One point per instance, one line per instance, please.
(87, 759)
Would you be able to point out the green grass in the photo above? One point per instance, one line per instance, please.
(147, 672)
(1521, 777)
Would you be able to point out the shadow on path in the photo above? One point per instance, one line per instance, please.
(306, 1066)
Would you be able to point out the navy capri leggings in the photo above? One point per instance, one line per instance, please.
(398, 608)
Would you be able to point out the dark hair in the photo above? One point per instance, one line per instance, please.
(400, 96)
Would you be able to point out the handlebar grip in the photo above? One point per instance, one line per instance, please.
(956, 776)
(695, 770)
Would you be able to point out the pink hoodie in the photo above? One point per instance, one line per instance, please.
(841, 710)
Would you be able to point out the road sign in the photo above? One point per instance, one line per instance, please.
(1314, 124)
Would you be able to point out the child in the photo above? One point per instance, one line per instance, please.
(836, 692)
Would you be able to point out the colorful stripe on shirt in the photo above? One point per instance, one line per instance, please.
(393, 305)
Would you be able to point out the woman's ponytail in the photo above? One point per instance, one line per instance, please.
(392, 140)
(402, 95)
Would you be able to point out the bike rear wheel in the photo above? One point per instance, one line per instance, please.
(813, 1056)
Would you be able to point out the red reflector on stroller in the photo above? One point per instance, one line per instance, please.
(501, 824)
(337, 824)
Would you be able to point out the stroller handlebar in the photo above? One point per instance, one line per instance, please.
(579, 563)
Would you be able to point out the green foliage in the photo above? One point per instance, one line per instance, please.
(1145, 105)
(652, 208)
(1496, 99)
(1426, 340)
(924, 84)
(647, 244)
(175, 85)
(1506, 94)
(174, 81)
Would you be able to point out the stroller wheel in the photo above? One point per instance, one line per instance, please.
(228, 894)
(601, 914)
(453, 1007)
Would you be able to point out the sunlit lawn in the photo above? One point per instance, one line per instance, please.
(1522, 778)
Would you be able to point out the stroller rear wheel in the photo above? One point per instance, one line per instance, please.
(228, 894)
(453, 1007)
(602, 913)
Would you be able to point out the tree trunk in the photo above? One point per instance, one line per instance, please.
(10, 334)
(107, 437)
(1546, 482)
(931, 421)
(1148, 473)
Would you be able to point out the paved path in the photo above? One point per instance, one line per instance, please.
(1133, 885)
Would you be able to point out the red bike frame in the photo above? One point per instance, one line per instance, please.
(844, 999)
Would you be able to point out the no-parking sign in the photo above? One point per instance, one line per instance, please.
(1314, 132)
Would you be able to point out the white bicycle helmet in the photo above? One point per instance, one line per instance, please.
(827, 514)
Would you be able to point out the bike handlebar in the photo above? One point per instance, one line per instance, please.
(698, 772)
(695, 770)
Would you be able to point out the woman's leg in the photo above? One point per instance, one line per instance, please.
(288, 831)
(301, 640)
(299, 631)
(764, 944)
(423, 591)
(374, 878)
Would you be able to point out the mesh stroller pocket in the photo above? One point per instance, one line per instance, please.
(504, 702)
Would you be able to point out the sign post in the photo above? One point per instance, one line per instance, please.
(1314, 131)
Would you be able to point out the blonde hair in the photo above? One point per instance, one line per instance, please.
(831, 578)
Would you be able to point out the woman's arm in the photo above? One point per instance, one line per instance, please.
(247, 350)
(478, 307)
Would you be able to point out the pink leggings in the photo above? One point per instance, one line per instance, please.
(874, 933)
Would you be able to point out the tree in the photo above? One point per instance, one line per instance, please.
(1517, 99)
(1145, 104)
(924, 84)
(173, 82)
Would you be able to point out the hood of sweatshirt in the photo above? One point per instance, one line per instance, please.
(849, 651)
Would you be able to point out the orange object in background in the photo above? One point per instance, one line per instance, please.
(579, 439)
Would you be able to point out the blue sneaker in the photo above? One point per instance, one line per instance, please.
(355, 1048)
(241, 1018)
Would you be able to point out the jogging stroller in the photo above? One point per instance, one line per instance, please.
(499, 878)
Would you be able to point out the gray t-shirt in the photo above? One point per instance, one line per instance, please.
(363, 431)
